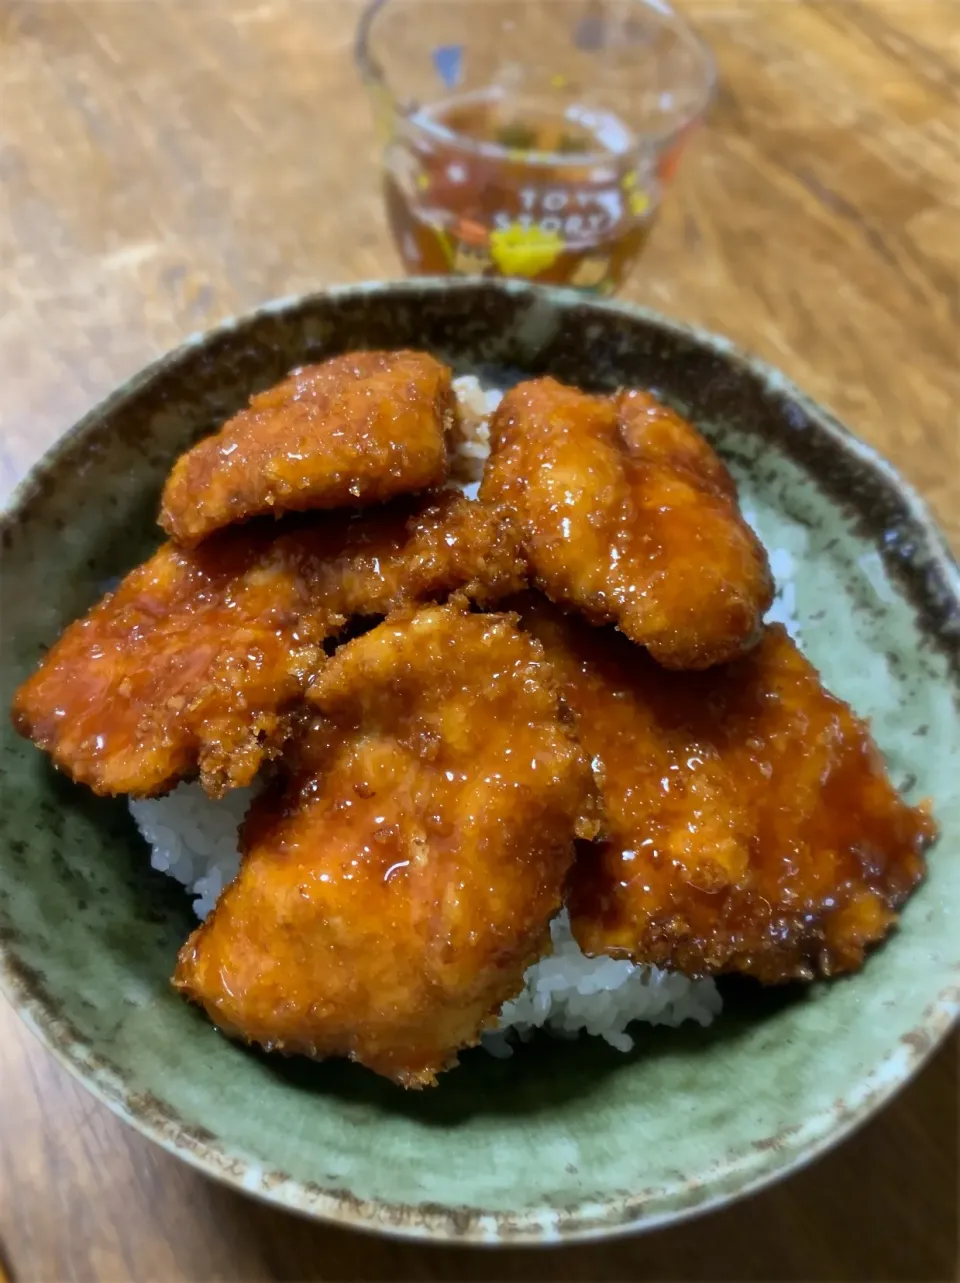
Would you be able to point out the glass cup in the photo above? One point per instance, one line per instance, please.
(530, 138)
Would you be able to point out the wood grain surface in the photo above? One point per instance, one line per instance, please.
(163, 165)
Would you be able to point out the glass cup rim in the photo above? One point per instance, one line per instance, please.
(373, 76)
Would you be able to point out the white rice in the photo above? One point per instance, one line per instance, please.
(473, 442)
(566, 993)
(194, 839)
(782, 567)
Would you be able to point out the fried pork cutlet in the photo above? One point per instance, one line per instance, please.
(393, 892)
(627, 515)
(199, 658)
(750, 823)
(358, 429)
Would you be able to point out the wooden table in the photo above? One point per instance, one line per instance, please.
(165, 164)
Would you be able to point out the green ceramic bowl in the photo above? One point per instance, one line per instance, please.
(566, 1140)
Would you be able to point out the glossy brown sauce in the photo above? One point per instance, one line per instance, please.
(629, 516)
(396, 888)
(200, 658)
(750, 823)
(359, 429)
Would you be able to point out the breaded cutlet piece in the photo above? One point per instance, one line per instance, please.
(627, 515)
(199, 659)
(394, 889)
(358, 429)
(749, 822)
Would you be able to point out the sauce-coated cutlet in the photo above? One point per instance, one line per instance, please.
(627, 515)
(394, 890)
(198, 661)
(358, 429)
(750, 824)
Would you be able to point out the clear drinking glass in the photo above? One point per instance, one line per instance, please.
(530, 137)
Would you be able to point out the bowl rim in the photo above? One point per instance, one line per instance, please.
(631, 1214)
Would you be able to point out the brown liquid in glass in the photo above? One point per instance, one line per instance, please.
(492, 185)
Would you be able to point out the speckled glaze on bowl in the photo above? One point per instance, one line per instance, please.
(565, 1141)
